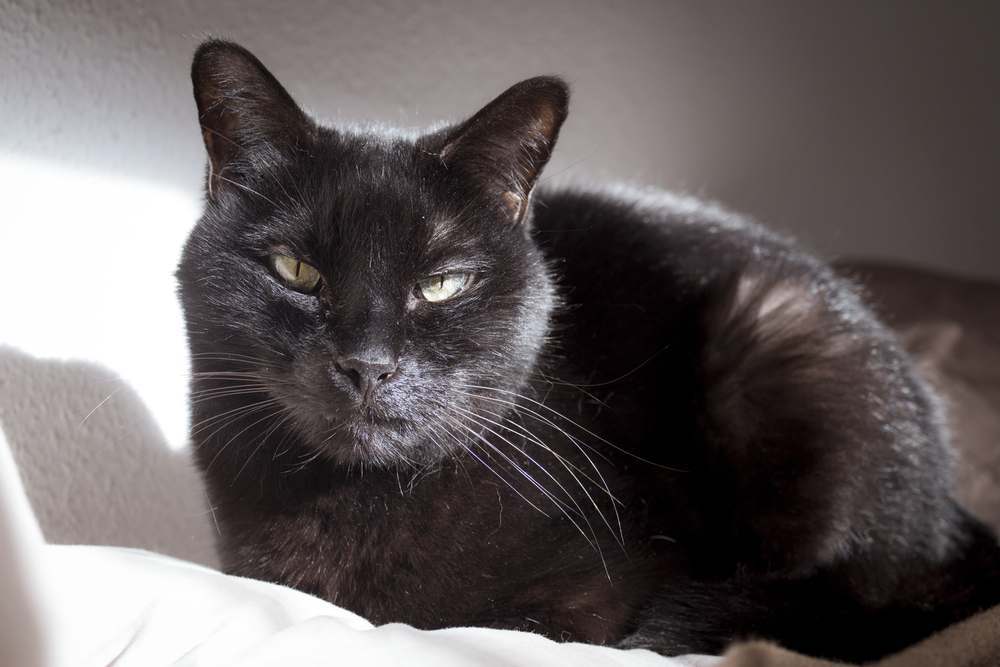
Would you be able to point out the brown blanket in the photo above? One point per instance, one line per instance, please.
(974, 642)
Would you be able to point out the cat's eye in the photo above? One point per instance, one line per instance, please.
(443, 286)
(295, 273)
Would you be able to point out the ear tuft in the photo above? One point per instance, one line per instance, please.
(241, 106)
(504, 147)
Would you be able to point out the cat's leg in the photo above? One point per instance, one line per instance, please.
(818, 444)
(819, 481)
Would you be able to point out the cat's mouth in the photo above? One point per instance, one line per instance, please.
(378, 431)
(363, 417)
(364, 424)
(364, 435)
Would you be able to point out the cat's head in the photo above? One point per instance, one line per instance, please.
(368, 284)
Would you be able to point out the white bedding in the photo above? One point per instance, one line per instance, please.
(99, 606)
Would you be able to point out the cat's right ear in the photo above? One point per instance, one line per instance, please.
(241, 109)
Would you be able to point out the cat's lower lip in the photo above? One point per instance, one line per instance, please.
(362, 419)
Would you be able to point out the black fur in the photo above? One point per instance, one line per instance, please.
(647, 422)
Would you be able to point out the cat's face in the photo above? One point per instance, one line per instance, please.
(368, 285)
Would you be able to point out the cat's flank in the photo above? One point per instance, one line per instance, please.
(430, 392)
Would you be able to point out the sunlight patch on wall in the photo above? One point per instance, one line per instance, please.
(87, 274)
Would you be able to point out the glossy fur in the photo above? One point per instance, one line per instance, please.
(648, 422)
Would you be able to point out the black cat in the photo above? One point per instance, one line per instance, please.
(430, 393)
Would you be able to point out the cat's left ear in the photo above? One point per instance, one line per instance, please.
(503, 148)
(241, 108)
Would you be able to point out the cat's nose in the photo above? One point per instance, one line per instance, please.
(367, 373)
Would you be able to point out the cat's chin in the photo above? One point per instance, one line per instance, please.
(370, 441)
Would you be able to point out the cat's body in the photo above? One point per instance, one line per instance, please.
(644, 422)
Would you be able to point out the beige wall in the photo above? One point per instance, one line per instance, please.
(861, 127)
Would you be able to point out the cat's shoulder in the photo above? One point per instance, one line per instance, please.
(624, 204)
(690, 239)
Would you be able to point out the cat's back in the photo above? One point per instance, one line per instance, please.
(811, 448)
(732, 327)
(680, 235)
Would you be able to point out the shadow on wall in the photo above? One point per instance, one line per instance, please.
(95, 466)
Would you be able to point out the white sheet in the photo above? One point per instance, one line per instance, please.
(92, 606)
(130, 607)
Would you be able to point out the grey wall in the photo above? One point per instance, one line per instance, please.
(863, 128)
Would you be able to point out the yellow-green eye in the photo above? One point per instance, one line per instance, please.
(297, 274)
(443, 286)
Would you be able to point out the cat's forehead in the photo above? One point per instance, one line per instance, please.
(373, 156)
(373, 172)
(382, 191)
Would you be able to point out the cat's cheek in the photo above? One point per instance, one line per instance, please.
(275, 292)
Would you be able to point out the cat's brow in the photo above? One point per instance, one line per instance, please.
(461, 251)
(442, 234)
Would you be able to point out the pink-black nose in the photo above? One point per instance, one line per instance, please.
(366, 374)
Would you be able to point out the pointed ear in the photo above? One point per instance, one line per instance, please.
(241, 107)
(503, 148)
